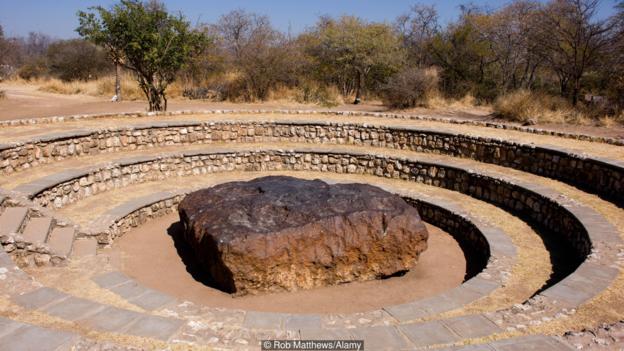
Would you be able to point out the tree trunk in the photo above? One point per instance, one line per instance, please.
(358, 88)
(576, 90)
(118, 81)
(156, 100)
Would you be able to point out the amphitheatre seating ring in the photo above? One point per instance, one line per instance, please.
(405, 154)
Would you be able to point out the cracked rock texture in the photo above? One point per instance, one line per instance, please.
(284, 234)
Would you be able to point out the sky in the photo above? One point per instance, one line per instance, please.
(57, 18)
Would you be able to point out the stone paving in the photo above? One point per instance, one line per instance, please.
(32, 315)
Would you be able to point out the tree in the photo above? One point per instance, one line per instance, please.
(612, 69)
(416, 30)
(465, 59)
(509, 34)
(572, 41)
(352, 50)
(144, 38)
(263, 55)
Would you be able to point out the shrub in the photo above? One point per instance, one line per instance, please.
(6, 72)
(410, 88)
(530, 107)
(77, 59)
(201, 93)
(321, 95)
(32, 70)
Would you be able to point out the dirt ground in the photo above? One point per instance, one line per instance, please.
(25, 101)
(149, 255)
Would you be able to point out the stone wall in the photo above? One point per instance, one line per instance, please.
(471, 240)
(603, 177)
(22, 251)
(337, 114)
(519, 199)
(138, 217)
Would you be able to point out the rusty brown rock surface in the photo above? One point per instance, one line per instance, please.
(283, 234)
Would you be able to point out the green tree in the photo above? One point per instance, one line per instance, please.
(352, 50)
(144, 38)
(465, 60)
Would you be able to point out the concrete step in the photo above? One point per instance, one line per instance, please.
(37, 229)
(22, 336)
(12, 219)
(61, 240)
(84, 248)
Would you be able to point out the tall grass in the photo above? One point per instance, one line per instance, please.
(102, 87)
(533, 107)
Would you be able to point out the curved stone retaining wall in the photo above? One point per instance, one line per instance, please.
(124, 218)
(488, 124)
(518, 198)
(604, 177)
(470, 238)
(494, 253)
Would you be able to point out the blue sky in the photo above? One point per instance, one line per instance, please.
(58, 17)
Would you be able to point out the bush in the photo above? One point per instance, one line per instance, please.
(410, 88)
(6, 72)
(77, 59)
(201, 93)
(530, 107)
(318, 94)
(32, 70)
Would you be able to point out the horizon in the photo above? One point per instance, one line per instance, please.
(59, 20)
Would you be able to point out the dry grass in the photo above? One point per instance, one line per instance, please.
(102, 87)
(309, 93)
(611, 121)
(437, 101)
(525, 106)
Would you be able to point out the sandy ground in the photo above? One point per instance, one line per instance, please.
(25, 101)
(533, 266)
(149, 255)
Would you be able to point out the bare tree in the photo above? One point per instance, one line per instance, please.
(260, 52)
(37, 44)
(613, 65)
(509, 34)
(572, 40)
(416, 28)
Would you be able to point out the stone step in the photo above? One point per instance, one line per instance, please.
(24, 336)
(94, 315)
(61, 240)
(12, 219)
(37, 229)
(84, 248)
